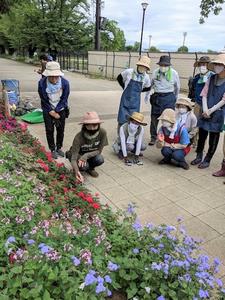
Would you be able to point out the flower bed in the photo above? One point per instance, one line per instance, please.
(58, 242)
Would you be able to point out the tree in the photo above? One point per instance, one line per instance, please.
(182, 49)
(153, 49)
(208, 6)
(133, 48)
(112, 38)
(211, 51)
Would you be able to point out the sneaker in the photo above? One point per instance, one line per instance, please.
(204, 164)
(152, 143)
(92, 173)
(197, 160)
(128, 163)
(184, 165)
(54, 154)
(60, 152)
(138, 162)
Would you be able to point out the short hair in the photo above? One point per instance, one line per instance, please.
(44, 57)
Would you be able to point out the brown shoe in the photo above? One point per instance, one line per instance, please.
(93, 173)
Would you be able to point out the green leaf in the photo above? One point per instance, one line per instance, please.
(17, 270)
(47, 296)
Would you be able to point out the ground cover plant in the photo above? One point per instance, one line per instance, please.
(58, 242)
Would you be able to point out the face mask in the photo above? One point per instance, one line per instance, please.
(163, 69)
(203, 69)
(166, 124)
(133, 127)
(218, 69)
(182, 110)
(91, 132)
(141, 69)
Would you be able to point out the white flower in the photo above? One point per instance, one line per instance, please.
(147, 289)
(82, 286)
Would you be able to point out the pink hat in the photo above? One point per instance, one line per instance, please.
(91, 118)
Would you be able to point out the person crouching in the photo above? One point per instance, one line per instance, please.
(86, 151)
(131, 138)
(174, 143)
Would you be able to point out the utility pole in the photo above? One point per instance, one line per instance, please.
(150, 40)
(97, 25)
(184, 38)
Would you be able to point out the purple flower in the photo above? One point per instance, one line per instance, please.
(109, 293)
(108, 279)
(100, 288)
(156, 266)
(11, 239)
(112, 266)
(154, 250)
(30, 242)
(90, 278)
(161, 298)
(136, 250)
(44, 248)
(137, 226)
(219, 282)
(75, 260)
(203, 294)
(130, 208)
(100, 279)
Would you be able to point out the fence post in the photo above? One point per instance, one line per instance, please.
(106, 64)
(113, 68)
(129, 59)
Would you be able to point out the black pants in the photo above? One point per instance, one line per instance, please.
(50, 125)
(153, 126)
(93, 162)
(213, 142)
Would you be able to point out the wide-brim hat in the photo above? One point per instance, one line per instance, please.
(164, 60)
(220, 59)
(90, 117)
(202, 59)
(168, 115)
(144, 61)
(138, 117)
(185, 101)
(52, 69)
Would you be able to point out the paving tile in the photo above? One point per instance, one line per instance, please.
(211, 199)
(221, 191)
(173, 193)
(221, 209)
(171, 212)
(153, 199)
(207, 182)
(193, 206)
(215, 247)
(190, 188)
(214, 219)
(116, 194)
(137, 187)
(198, 229)
(151, 217)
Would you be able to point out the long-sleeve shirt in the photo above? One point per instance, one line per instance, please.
(129, 74)
(45, 101)
(160, 83)
(138, 141)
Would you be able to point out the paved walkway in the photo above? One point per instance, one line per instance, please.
(161, 193)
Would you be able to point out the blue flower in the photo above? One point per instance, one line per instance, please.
(112, 266)
(75, 260)
(90, 279)
(154, 250)
(100, 288)
(30, 242)
(109, 293)
(203, 294)
(11, 239)
(45, 249)
(156, 266)
(137, 226)
(100, 279)
(136, 250)
(108, 279)
(130, 208)
(41, 245)
(161, 298)
(219, 282)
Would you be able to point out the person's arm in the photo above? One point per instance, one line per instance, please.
(139, 142)
(176, 84)
(184, 140)
(123, 142)
(44, 96)
(193, 126)
(217, 106)
(120, 81)
(147, 84)
(75, 153)
(63, 103)
(204, 94)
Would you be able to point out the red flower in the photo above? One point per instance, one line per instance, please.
(89, 199)
(95, 205)
(23, 127)
(59, 165)
(12, 258)
(66, 190)
(62, 176)
(52, 198)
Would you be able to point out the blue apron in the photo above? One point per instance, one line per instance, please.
(161, 101)
(130, 100)
(216, 121)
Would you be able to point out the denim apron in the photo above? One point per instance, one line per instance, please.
(130, 100)
(216, 121)
(161, 101)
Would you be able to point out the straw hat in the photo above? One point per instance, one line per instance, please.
(202, 59)
(185, 101)
(52, 69)
(168, 115)
(91, 118)
(220, 59)
(144, 61)
(138, 117)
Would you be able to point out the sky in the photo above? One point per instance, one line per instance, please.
(166, 21)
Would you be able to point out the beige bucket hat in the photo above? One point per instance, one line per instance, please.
(185, 101)
(144, 61)
(168, 115)
(90, 117)
(219, 59)
(202, 59)
(52, 69)
(138, 117)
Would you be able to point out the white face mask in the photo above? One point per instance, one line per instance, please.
(218, 69)
(133, 127)
(163, 69)
(203, 69)
(166, 124)
(141, 69)
(182, 110)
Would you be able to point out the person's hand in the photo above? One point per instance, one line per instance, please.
(57, 116)
(127, 161)
(205, 115)
(81, 163)
(79, 177)
(54, 114)
(168, 145)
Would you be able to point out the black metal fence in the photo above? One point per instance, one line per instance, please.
(73, 61)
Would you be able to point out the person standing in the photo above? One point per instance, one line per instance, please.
(166, 86)
(85, 153)
(54, 92)
(211, 121)
(221, 172)
(133, 82)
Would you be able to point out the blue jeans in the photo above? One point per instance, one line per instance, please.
(176, 154)
(93, 162)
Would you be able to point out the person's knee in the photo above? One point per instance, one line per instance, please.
(143, 147)
(178, 155)
(130, 147)
(99, 160)
(166, 151)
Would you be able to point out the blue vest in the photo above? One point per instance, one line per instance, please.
(215, 95)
